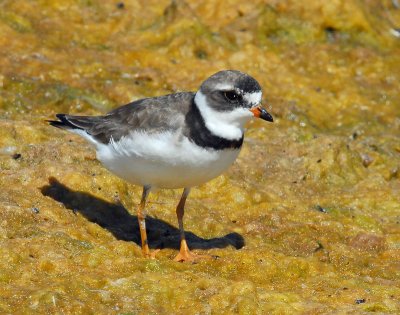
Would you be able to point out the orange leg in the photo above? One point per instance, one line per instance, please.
(142, 222)
(184, 253)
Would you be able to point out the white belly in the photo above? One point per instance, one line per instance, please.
(164, 160)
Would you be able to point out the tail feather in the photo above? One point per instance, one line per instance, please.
(73, 122)
(81, 125)
(62, 123)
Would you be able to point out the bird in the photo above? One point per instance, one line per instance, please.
(175, 141)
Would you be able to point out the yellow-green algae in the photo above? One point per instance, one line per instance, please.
(314, 196)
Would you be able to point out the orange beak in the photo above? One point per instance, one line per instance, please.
(260, 112)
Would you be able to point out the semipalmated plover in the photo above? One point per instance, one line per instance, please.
(178, 140)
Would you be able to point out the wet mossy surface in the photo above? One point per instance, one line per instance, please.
(307, 221)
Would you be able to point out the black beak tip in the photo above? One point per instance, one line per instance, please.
(266, 116)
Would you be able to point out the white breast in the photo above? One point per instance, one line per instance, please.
(164, 160)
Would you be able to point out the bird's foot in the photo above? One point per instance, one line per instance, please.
(151, 254)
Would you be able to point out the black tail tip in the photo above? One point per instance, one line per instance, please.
(55, 123)
(61, 117)
(61, 123)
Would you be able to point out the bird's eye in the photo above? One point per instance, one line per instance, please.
(232, 96)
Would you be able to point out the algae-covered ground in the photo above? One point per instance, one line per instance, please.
(307, 221)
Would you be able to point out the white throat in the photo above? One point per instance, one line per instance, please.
(227, 124)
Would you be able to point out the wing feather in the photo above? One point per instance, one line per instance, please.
(151, 115)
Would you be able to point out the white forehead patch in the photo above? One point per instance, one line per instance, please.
(253, 98)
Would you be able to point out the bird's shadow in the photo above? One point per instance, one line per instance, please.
(124, 226)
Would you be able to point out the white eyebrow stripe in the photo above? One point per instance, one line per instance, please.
(224, 87)
(253, 98)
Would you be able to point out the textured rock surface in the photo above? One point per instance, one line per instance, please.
(307, 220)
